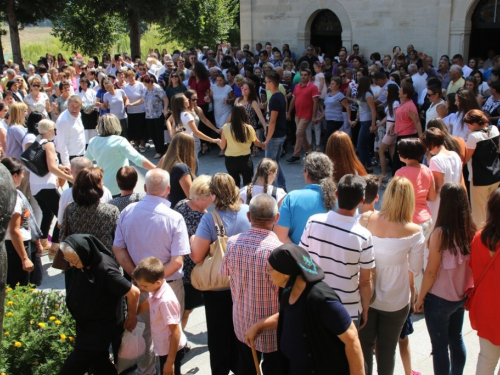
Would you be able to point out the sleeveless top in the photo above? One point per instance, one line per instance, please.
(252, 116)
(432, 112)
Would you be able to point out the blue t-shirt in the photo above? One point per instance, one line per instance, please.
(235, 222)
(297, 207)
(278, 103)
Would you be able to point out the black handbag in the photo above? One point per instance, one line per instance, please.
(35, 159)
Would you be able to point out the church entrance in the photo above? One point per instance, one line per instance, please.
(485, 32)
(326, 32)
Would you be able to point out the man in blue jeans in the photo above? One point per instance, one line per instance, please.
(276, 132)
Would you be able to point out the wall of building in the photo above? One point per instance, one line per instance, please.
(434, 26)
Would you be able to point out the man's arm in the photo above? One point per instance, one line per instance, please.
(173, 265)
(365, 291)
(271, 127)
(353, 350)
(124, 260)
(290, 109)
(61, 142)
(282, 233)
(315, 108)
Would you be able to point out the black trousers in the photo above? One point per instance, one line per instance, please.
(271, 362)
(396, 162)
(222, 341)
(15, 272)
(79, 362)
(240, 165)
(124, 124)
(177, 363)
(156, 129)
(48, 200)
(137, 130)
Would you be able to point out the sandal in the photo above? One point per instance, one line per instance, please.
(204, 149)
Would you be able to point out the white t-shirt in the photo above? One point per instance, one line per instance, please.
(459, 129)
(28, 138)
(256, 190)
(393, 117)
(67, 198)
(476, 137)
(49, 181)
(134, 93)
(116, 103)
(187, 117)
(20, 208)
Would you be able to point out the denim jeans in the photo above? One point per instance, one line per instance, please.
(364, 139)
(444, 320)
(331, 127)
(273, 151)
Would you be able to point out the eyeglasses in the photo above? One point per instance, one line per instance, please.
(194, 99)
(342, 76)
(84, 68)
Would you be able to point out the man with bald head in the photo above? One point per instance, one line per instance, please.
(254, 295)
(457, 80)
(151, 228)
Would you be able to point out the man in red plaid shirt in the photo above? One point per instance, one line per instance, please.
(254, 294)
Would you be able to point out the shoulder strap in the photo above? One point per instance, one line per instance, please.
(274, 193)
(219, 226)
(485, 271)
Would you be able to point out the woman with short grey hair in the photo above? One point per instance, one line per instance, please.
(112, 151)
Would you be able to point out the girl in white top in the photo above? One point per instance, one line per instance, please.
(319, 79)
(465, 101)
(446, 166)
(3, 128)
(44, 188)
(437, 107)
(265, 175)
(399, 247)
(115, 99)
(222, 96)
(37, 100)
(389, 140)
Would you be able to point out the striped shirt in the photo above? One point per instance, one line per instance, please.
(253, 292)
(340, 246)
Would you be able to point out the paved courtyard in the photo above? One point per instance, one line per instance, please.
(197, 360)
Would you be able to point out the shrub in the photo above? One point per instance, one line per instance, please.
(38, 332)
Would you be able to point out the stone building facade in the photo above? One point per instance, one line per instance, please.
(436, 27)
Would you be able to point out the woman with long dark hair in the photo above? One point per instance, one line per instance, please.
(451, 143)
(446, 279)
(471, 84)
(466, 101)
(390, 138)
(238, 136)
(366, 118)
(199, 82)
(485, 304)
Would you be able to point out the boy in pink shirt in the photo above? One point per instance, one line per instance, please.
(165, 315)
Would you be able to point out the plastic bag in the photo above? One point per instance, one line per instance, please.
(132, 348)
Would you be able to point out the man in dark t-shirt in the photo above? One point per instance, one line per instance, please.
(276, 132)
(309, 57)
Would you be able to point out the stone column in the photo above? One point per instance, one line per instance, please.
(7, 202)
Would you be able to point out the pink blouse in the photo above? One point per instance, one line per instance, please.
(404, 124)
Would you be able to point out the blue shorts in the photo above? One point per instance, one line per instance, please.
(407, 328)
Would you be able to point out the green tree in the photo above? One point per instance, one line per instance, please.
(88, 27)
(26, 12)
(195, 22)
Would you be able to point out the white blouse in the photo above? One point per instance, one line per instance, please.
(393, 258)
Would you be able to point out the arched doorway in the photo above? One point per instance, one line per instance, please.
(326, 32)
(485, 30)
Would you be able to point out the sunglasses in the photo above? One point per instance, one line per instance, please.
(342, 76)
(142, 70)
(430, 94)
(194, 99)
(35, 86)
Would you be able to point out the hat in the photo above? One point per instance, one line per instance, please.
(293, 260)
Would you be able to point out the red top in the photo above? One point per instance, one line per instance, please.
(483, 313)
(404, 124)
(200, 87)
(304, 99)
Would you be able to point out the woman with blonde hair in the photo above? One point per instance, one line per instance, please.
(37, 100)
(112, 151)
(222, 341)
(399, 247)
(192, 210)
(180, 163)
(45, 188)
(262, 182)
(16, 130)
(341, 152)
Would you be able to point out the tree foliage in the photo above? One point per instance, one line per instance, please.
(88, 26)
(200, 22)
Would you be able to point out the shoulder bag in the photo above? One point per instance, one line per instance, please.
(469, 293)
(35, 159)
(59, 262)
(205, 275)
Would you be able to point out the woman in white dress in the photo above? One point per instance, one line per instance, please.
(222, 96)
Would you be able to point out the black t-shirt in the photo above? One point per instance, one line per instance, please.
(334, 318)
(98, 306)
(176, 193)
(278, 103)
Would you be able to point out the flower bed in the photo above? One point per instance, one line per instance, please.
(38, 332)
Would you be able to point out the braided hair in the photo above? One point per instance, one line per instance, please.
(320, 170)
(264, 167)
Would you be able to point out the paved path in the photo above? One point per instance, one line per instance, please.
(197, 360)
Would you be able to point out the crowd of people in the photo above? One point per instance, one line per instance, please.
(315, 280)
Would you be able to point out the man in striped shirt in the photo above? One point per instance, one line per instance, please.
(253, 292)
(343, 248)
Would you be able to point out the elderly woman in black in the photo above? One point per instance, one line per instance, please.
(95, 289)
(315, 332)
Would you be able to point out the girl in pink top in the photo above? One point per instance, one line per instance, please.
(446, 278)
(411, 150)
(407, 120)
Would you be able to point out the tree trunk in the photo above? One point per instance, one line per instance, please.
(2, 58)
(135, 35)
(10, 9)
